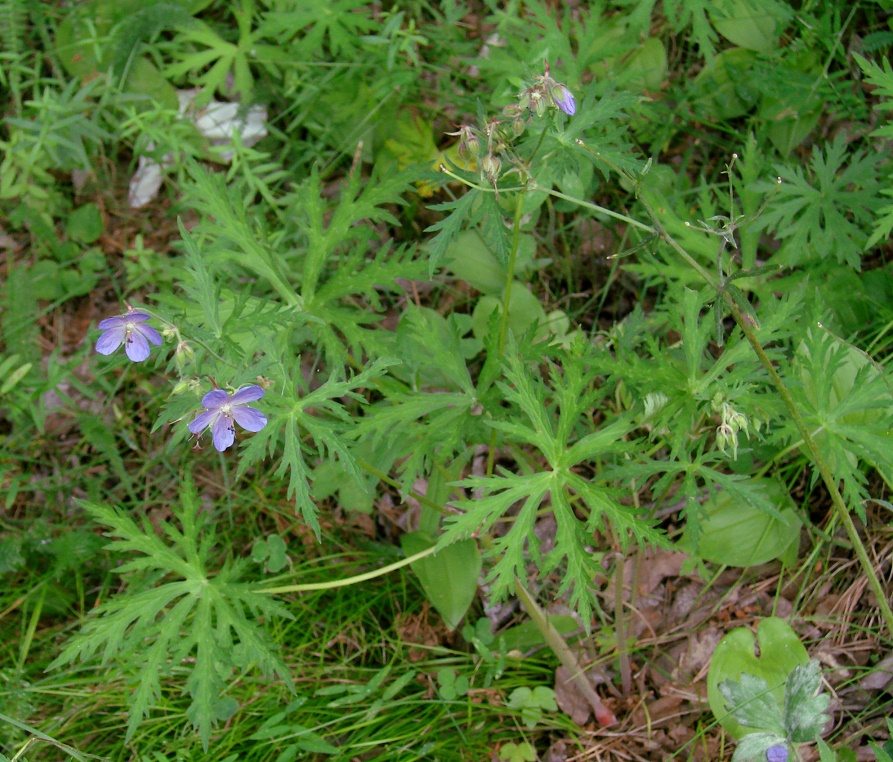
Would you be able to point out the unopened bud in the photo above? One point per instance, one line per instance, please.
(469, 147)
(538, 104)
(490, 166)
(183, 354)
(564, 99)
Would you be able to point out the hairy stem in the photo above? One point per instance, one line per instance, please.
(815, 454)
(603, 715)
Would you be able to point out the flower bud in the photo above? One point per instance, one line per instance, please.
(183, 354)
(727, 439)
(490, 166)
(469, 146)
(736, 420)
(538, 104)
(518, 127)
(564, 99)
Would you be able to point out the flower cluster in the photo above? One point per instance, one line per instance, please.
(222, 411)
(733, 421)
(547, 93)
(498, 133)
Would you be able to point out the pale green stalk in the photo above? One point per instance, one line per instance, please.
(349, 580)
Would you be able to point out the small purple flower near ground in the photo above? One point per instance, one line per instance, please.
(131, 331)
(222, 412)
(777, 754)
(564, 99)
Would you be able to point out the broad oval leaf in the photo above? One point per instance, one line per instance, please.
(737, 534)
(449, 578)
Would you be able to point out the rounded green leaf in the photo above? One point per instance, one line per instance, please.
(725, 88)
(772, 655)
(646, 69)
(85, 224)
(738, 534)
(524, 310)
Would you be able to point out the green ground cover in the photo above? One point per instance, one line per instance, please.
(446, 381)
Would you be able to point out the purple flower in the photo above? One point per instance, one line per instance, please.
(777, 754)
(223, 411)
(564, 99)
(129, 330)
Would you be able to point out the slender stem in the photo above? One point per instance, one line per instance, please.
(600, 210)
(483, 188)
(349, 580)
(180, 339)
(506, 309)
(815, 453)
(626, 683)
(382, 476)
(603, 715)
(843, 513)
(510, 275)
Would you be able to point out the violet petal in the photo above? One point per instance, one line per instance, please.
(248, 394)
(150, 333)
(249, 418)
(203, 420)
(111, 339)
(223, 433)
(112, 322)
(215, 398)
(136, 346)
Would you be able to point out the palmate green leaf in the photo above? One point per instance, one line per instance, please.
(753, 704)
(429, 344)
(461, 214)
(332, 27)
(359, 206)
(200, 287)
(334, 265)
(189, 615)
(682, 13)
(881, 76)
(320, 414)
(753, 747)
(548, 418)
(827, 211)
(424, 430)
(343, 326)
(846, 403)
(480, 514)
(805, 713)
(236, 239)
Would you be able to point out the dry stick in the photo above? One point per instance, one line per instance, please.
(555, 640)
